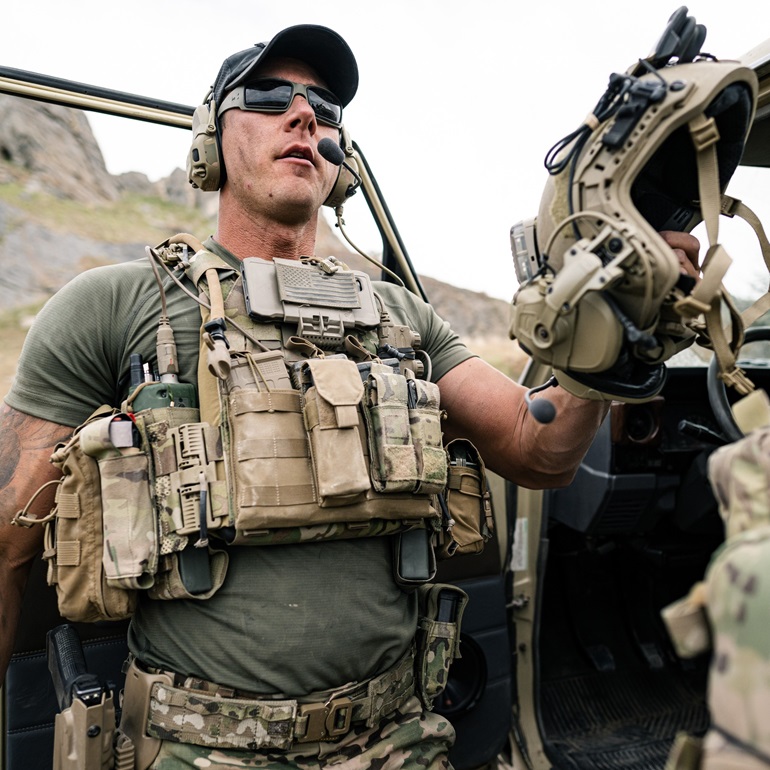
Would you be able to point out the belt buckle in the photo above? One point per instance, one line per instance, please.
(326, 720)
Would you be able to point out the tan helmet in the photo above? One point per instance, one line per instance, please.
(598, 300)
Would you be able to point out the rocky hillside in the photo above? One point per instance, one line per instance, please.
(61, 212)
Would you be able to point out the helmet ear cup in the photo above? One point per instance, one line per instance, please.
(345, 185)
(204, 167)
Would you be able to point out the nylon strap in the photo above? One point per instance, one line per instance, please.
(710, 293)
(732, 207)
(206, 714)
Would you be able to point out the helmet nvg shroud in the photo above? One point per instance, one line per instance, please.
(601, 297)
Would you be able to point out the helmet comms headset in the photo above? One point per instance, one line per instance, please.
(601, 299)
(321, 48)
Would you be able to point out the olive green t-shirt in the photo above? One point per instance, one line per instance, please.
(289, 619)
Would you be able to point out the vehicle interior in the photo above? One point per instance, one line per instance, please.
(598, 683)
(565, 660)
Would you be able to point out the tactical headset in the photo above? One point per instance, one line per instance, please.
(206, 169)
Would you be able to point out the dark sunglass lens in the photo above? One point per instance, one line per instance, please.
(325, 105)
(268, 94)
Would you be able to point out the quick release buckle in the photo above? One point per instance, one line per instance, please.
(326, 720)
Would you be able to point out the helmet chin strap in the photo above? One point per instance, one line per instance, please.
(708, 295)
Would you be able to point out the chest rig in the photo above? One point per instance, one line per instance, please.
(317, 389)
(312, 421)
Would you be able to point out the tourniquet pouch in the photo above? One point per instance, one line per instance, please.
(404, 434)
(469, 521)
(441, 608)
(189, 498)
(75, 536)
(331, 414)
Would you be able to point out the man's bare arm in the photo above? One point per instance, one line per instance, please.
(26, 444)
(488, 408)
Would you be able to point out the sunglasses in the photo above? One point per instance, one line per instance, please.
(276, 95)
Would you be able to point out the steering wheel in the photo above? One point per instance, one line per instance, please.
(717, 391)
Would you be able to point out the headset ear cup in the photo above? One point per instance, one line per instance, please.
(345, 186)
(204, 169)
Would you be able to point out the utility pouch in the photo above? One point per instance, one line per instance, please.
(130, 551)
(392, 457)
(74, 537)
(331, 413)
(425, 430)
(468, 520)
(438, 637)
(404, 431)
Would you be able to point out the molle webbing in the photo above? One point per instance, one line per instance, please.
(204, 714)
(295, 453)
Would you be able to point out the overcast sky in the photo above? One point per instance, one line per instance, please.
(457, 106)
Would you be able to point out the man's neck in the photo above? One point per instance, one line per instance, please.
(253, 236)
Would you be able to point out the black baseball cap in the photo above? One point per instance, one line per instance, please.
(320, 47)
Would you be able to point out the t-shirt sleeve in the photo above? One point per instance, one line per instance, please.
(442, 345)
(69, 365)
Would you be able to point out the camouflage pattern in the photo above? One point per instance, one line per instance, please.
(205, 714)
(738, 586)
(425, 427)
(130, 536)
(404, 428)
(740, 477)
(438, 639)
(393, 459)
(736, 598)
(411, 739)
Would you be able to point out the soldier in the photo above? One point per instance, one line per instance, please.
(297, 628)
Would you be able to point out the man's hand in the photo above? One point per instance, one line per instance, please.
(686, 248)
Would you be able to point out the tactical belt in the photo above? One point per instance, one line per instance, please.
(202, 715)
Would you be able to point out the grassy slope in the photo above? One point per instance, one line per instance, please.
(133, 219)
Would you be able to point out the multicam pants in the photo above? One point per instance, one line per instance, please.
(411, 739)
